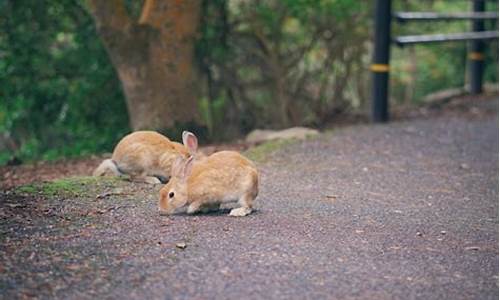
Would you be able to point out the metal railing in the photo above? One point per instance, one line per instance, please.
(380, 66)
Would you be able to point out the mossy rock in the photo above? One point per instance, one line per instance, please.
(263, 151)
(72, 186)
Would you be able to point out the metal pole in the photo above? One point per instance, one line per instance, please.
(476, 54)
(380, 65)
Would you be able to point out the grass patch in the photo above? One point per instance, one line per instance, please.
(261, 152)
(73, 186)
(27, 189)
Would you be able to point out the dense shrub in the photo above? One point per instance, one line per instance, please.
(272, 63)
(60, 95)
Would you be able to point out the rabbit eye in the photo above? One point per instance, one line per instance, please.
(171, 195)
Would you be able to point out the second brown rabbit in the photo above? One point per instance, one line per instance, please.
(147, 156)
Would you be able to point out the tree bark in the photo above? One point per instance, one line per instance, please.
(154, 58)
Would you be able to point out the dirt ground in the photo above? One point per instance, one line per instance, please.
(405, 210)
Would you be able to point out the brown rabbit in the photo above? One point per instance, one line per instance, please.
(146, 156)
(205, 183)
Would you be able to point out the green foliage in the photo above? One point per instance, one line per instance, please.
(279, 63)
(60, 95)
(417, 71)
(270, 63)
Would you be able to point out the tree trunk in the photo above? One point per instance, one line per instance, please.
(154, 58)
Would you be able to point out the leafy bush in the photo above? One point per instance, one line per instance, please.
(282, 63)
(60, 95)
(422, 69)
(272, 63)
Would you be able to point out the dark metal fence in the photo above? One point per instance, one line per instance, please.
(380, 66)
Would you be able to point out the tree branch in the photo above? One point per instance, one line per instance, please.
(294, 60)
(147, 7)
(110, 14)
(125, 41)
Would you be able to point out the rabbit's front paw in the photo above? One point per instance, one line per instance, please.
(193, 208)
(146, 179)
(152, 180)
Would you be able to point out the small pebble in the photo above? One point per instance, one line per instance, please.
(443, 232)
(419, 233)
(464, 166)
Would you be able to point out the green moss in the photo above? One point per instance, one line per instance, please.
(27, 189)
(73, 186)
(261, 152)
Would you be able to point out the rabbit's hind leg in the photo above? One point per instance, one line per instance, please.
(145, 179)
(246, 202)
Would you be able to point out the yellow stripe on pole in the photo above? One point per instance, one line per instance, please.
(476, 56)
(380, 68)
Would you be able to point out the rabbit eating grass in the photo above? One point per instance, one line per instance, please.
(203, 184)
(146, 156)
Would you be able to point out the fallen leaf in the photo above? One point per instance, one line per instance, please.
(103, 195)
(107, 194)
(225, 271)
(331, 198)
(475, 248)
(118, 207)
(181, 245)
(73, 267)
(16, 205)
(105, 210)
(464, 166)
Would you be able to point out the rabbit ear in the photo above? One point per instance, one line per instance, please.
(188, 165)
(177, 167)
(190, 141)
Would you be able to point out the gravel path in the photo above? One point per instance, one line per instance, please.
(407, 210)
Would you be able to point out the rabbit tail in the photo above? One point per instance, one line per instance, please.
(108, 166)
